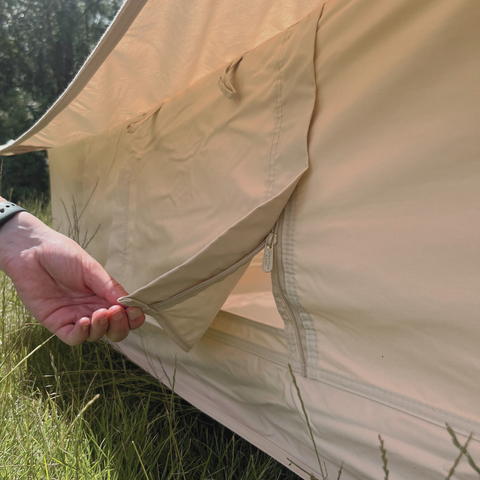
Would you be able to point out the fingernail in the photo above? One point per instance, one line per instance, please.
(103, 321)
(133, 313)
(86, 327)
(117, 316)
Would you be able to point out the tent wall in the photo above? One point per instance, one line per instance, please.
(153, 50)
(376, 270)
(238, 374)
(389, 213)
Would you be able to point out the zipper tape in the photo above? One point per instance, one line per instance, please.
(192, 291)
(289, 310)
(267, 265)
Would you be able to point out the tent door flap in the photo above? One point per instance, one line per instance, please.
(210, 177)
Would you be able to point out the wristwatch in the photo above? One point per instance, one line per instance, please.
(7, 211)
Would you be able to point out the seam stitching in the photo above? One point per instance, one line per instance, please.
(383, 395)
(249, 347)
(310, 347)
(277, 332)
(131, 161)
(278, 118)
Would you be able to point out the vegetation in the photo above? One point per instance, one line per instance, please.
(88, 413)
(43, 43)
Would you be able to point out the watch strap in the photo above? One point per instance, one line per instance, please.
(7, 211)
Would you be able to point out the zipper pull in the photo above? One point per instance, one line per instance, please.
(268, 252)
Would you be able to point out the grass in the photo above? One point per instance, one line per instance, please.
(88, 413)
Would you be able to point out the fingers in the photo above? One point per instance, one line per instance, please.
(118, 324)
(120, 321)
(99, 325)
(136, 317)
(115, 323)
(74, 334)
(101, 283)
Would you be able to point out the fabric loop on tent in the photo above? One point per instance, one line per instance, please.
(132, 127)
(225, 81)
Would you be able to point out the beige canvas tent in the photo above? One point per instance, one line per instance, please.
(326, 151)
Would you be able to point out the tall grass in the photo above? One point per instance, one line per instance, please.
(88, 413)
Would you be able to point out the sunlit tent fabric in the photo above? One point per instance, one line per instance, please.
(335, 146)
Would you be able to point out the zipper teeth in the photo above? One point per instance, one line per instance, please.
(215, 278)
(288, 308)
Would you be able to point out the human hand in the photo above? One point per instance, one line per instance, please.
(62, 286)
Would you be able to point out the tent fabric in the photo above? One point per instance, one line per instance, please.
(258, 401)
(67, 110)
(152, 51)
(255, 142)
(374, 232)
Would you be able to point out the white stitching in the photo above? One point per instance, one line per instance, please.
(353, 386)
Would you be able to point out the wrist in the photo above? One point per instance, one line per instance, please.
(20, 234)
(8, 210)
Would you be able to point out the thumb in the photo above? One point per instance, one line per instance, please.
(104, 286)
(101, 283)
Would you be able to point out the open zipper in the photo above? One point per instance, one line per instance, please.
(273, 263)
(190, 292)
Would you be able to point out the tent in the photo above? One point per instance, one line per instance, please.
(291, 183)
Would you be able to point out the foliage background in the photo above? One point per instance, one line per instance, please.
(43, 43)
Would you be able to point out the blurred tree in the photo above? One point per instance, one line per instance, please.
(43, 43)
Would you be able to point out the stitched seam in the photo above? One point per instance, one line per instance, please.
(248, 347)
(289, 328)
(309, 343)
(278, 118)
(286, 256)
(136, 153)
(127, 215)
(352, 387)
(355, 386)
(310, 347)
(278, 332)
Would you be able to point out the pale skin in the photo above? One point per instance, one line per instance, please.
(61, 285)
